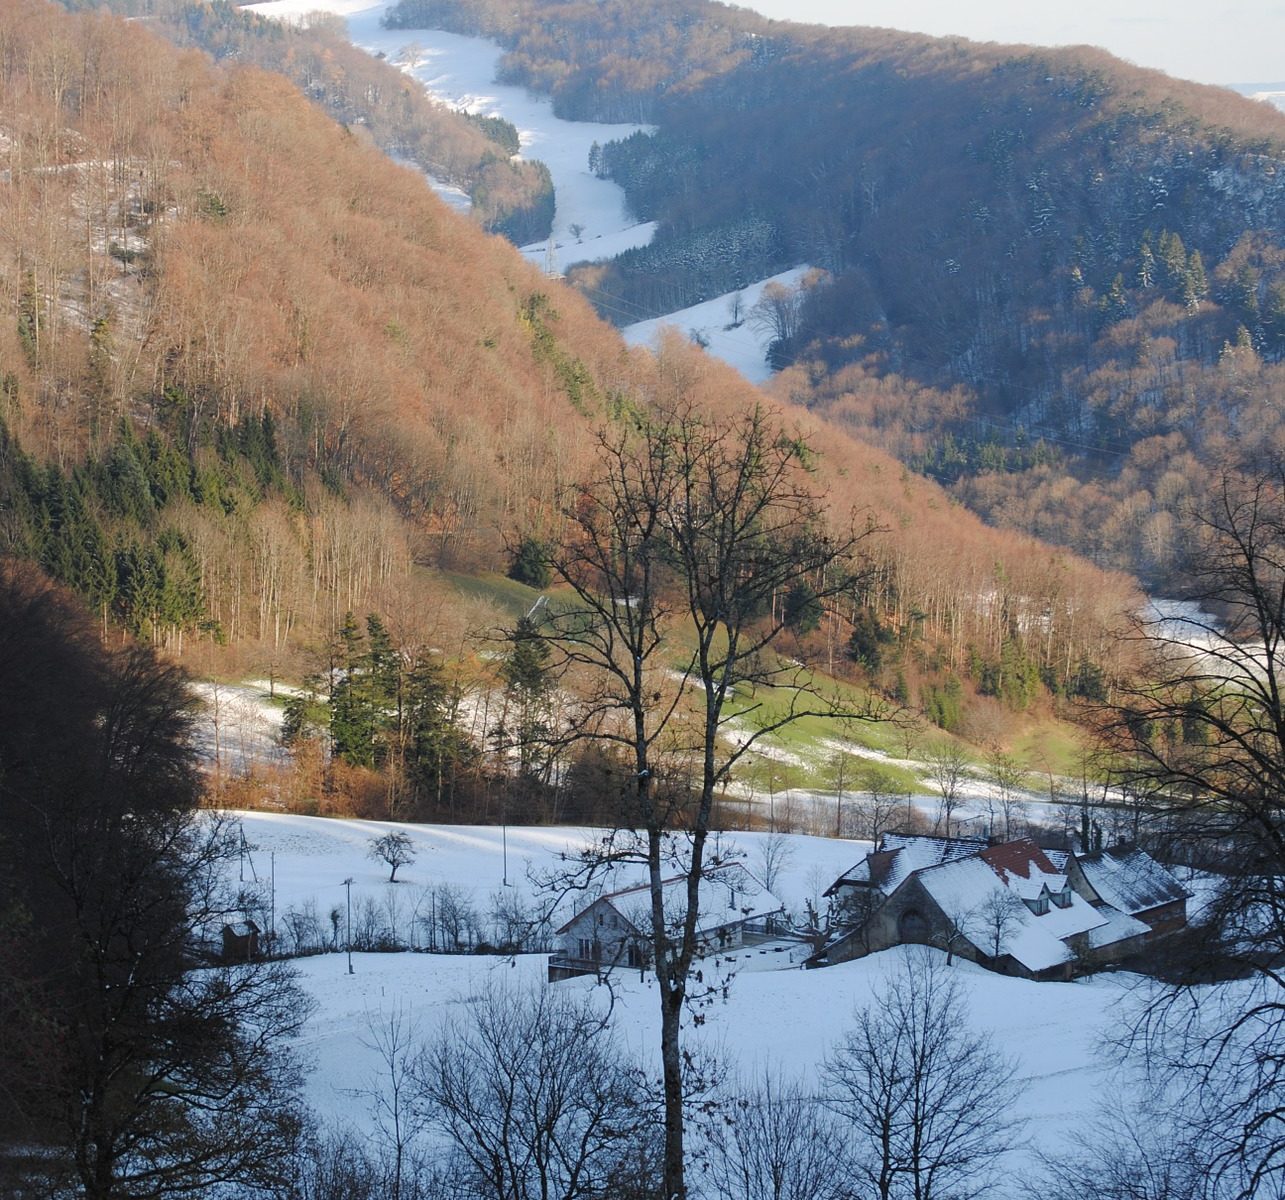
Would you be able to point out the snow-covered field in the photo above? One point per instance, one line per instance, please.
(313, 856)
(785, 1018)
(460, 71)
(238, 728)
(742, 347)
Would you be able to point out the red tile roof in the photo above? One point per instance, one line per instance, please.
(1020, 858)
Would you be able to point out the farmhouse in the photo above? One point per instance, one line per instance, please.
(1013, 906)
(615, 930)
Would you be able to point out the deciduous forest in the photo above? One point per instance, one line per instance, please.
(1053, 281)
(255, 376)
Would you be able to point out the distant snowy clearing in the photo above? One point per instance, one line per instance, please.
(742, 347)
(460, 72)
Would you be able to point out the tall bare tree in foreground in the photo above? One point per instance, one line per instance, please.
(1203, 741)
(771, 1140)
(537, 1101)
(677, 550)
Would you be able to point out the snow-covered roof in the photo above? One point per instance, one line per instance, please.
(966, 888)
(1059, 858)
(1130, 879)
(1118, 927)
(900, 856)
(729, 894)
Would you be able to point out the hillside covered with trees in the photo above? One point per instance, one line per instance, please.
(255, 377)
(1053, 281)
(370, 96)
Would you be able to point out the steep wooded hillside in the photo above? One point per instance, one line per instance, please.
(509, 196)
(253, 371)
(1044, 268)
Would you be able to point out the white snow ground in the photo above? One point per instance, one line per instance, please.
(786, 1018)
(312, 857)
(238, 728)
(460, 71)
(743, 347)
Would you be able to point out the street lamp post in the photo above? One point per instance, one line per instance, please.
(348, 885)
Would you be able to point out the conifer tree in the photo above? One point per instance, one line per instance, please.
(1195, 285)
(527, 687)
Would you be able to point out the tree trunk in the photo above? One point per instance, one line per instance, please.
(671, 1008)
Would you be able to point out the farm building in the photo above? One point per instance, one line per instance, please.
(1014, 907)
(615, 929)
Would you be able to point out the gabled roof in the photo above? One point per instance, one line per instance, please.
(1021, 857)
(728, 895)
(1130, 879)
(964, 889)
(900, 856)
(1119, 927)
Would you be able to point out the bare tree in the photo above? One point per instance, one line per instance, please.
(1202, 740)
(775, 852)
(910, 728)
(777, 312)
(1009, 777)
(946, 765)
(455, 915)
(392, 1092)
(1136, 1153)
(395, 848)
(927, 1102)
(996, 918)
(842, 768)
(701, 522)
(334, 1165)
(536, 1099)
(881, 804)
(770, 1140)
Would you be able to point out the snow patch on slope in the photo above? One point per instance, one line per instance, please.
(711, 323)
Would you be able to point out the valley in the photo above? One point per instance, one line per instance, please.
(335, 379)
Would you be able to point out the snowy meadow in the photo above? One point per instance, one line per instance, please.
(772, 1016)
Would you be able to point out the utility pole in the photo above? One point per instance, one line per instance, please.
(348, 885)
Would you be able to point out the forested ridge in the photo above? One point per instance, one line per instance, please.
(1055, 281)
(256, 377)
(370, 95)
